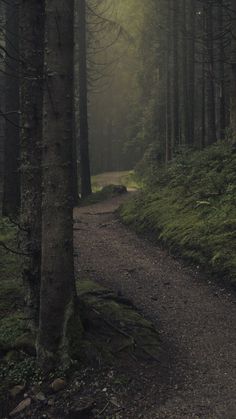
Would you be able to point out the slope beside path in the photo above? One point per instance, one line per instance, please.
(196, 318)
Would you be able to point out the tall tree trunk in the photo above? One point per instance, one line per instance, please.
(57, 297)
(11, 195)
(185, 74)
(203, 104)
(176, 97)
(168, 88)
(221, 74)
(211, 108)
(233, 70)
(192, 72)
(2, 102)
(83, 103)
(31, 102)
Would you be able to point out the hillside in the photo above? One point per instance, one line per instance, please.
(190, 206)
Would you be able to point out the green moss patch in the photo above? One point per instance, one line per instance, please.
(191, 207)
(113, 328)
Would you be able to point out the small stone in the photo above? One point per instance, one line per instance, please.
(115, 402)
(21, 406)
(58, 385)
(15, 391)
(51, 402)
(36, 389)
(41, 397)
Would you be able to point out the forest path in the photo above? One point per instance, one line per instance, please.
(196, 319)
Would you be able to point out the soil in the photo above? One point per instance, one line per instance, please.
(196, 374)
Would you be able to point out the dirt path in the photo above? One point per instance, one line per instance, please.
(196, 319)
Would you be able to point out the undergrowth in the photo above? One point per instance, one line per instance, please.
(190, 206)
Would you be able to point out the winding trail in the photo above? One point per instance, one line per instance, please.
(196, 319)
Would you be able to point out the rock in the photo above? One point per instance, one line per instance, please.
(58, 385)
(40, 396)
(36, 389)
(21, 406)
(15, 391)
(114, 189)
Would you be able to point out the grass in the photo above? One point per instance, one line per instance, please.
(190, 206)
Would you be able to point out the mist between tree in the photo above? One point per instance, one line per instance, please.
(164, 77)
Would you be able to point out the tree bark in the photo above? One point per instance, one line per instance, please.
(185, 75)
(222, 75)
(85, 175)
(176, 97)
(168, 88)
(211, 106)
(31, 101)
(192, 72)
(11, 194)
(57, 297)
(2, 103)
(233, 70)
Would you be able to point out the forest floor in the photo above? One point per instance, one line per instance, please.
(195, 318)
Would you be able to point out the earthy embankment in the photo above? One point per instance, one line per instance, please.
(196, 318)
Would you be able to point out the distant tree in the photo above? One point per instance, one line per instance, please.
(233, 68)
(211, 96)
(176, 86)
(85, 175)
(191, 34)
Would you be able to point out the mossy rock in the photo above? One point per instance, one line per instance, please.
(114, 190)
(114, 329)
(109, 191)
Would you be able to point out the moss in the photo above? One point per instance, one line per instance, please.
(88, 287)
(75, 335)
(21, 371)
(191, 207)
(11, 328)
(114, 329)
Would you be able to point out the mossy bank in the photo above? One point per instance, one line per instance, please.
(190, 206)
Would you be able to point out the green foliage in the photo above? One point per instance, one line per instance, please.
(22, 371)
(191, 207)
(11, 328)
